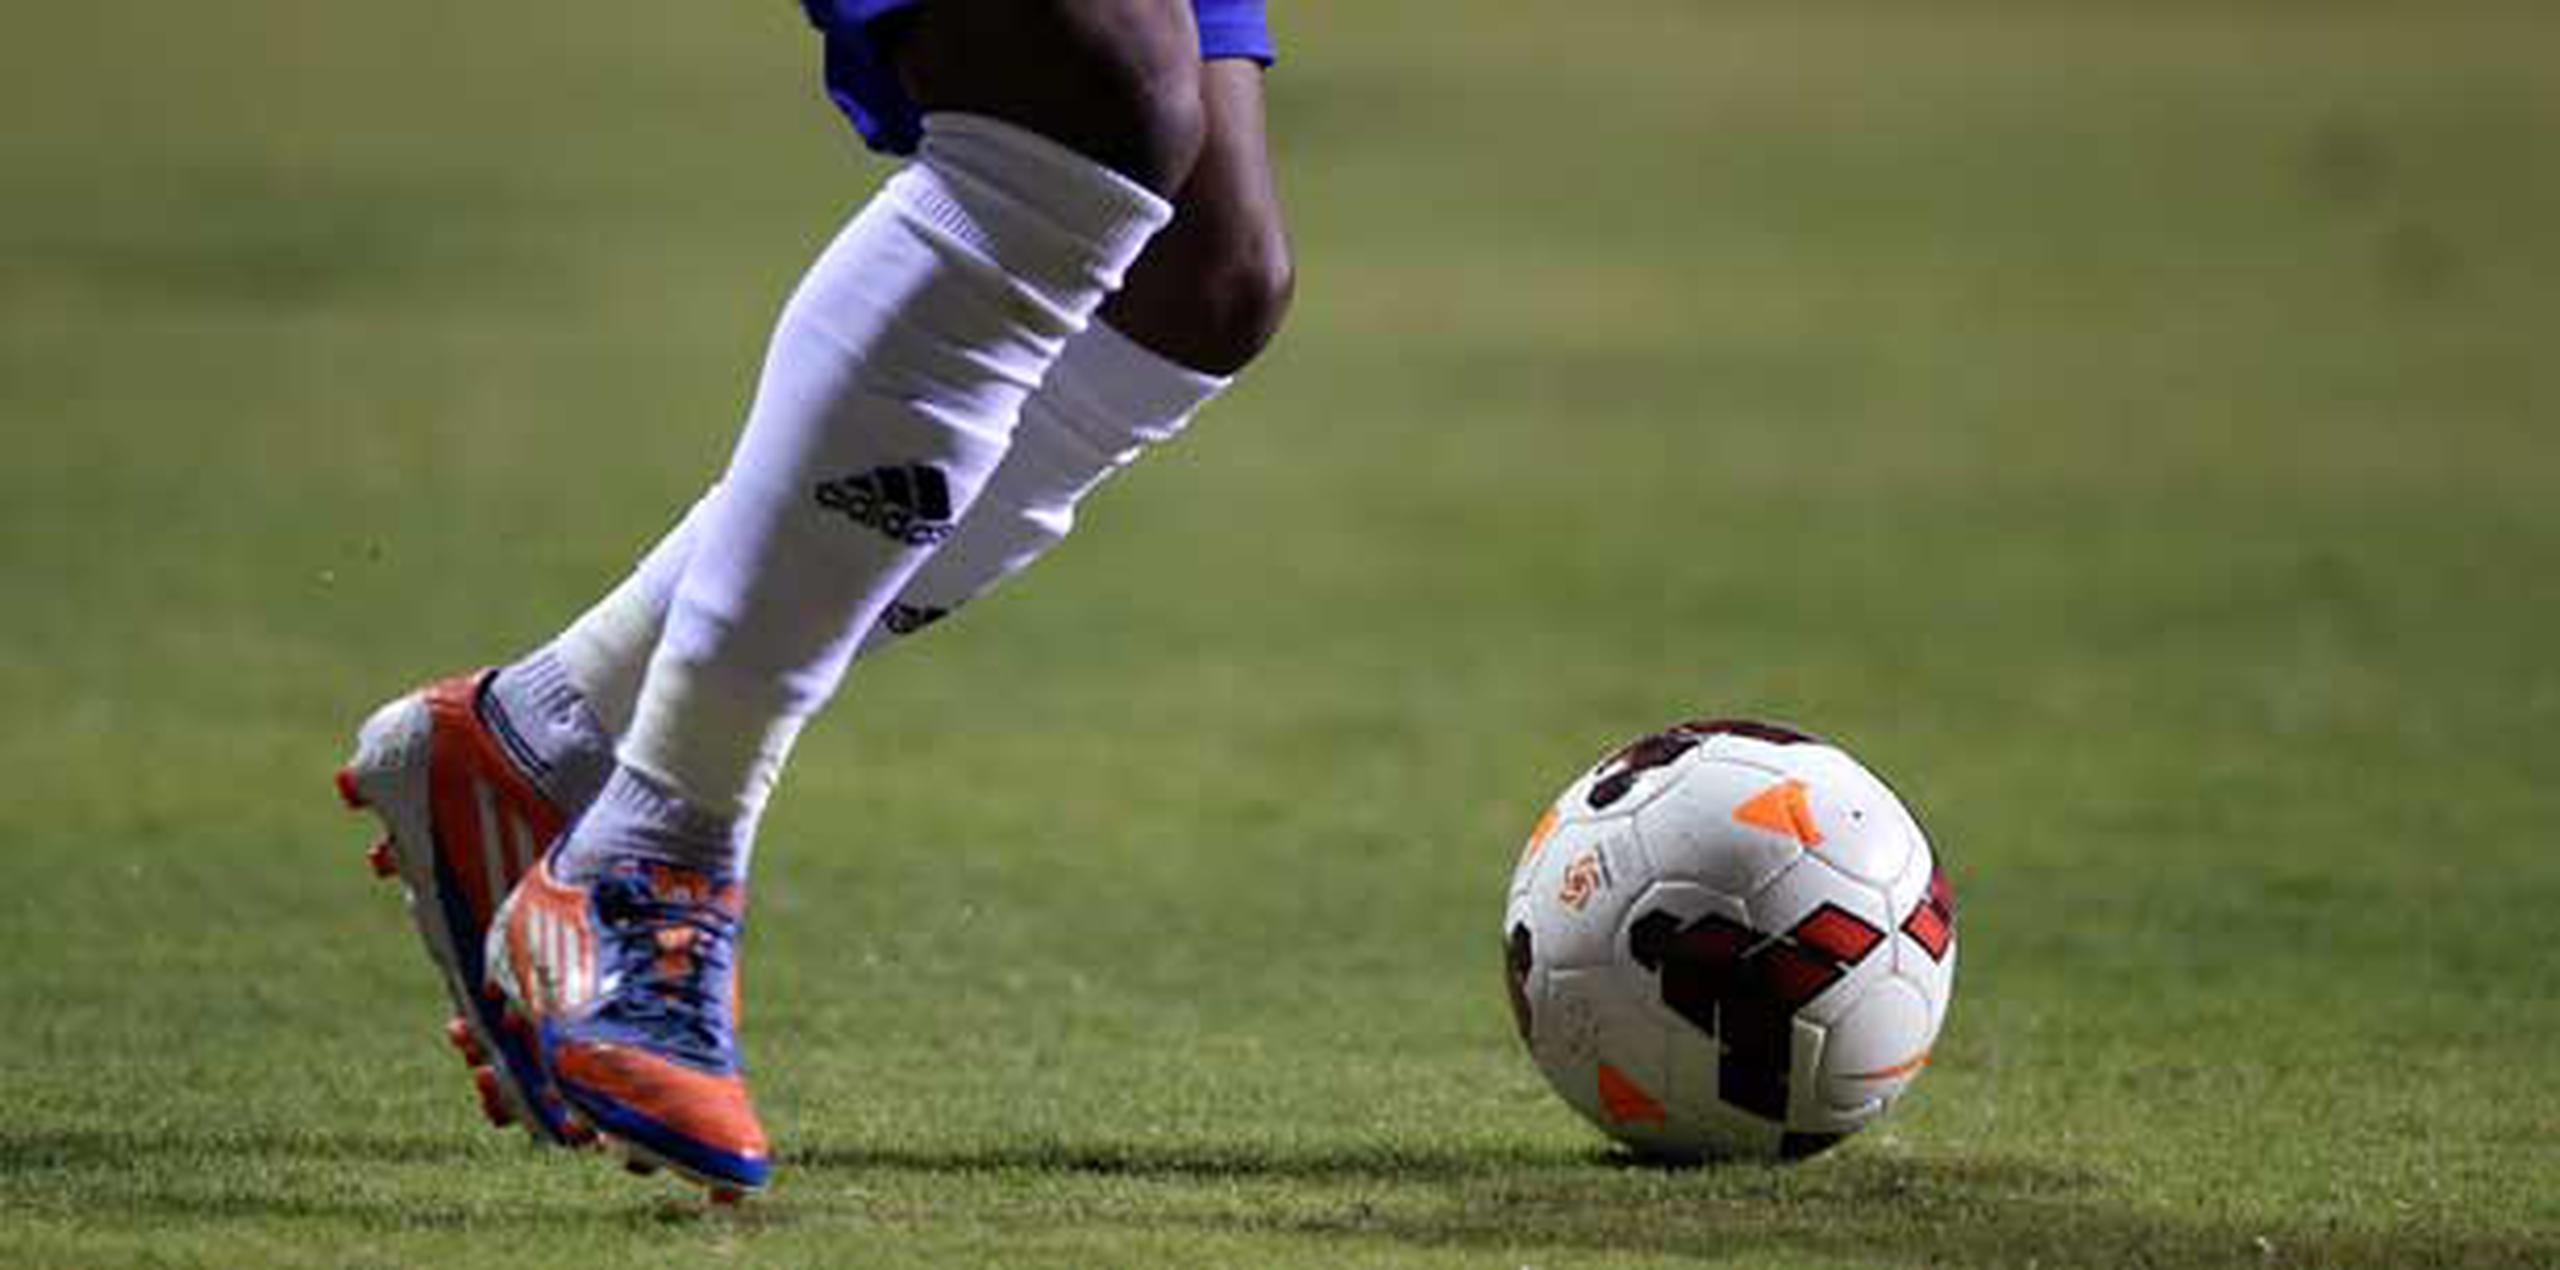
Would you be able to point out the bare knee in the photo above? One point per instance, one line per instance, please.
(1244, 301)
(1214, 310)
(1212, 289)
(1115, 80)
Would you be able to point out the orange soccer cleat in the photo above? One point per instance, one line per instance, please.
(463, 821)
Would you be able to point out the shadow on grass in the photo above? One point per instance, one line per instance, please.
(257, 1174)
(1866, 1207)
(41, 1150)
(1196, 1162)
(1510, 1203)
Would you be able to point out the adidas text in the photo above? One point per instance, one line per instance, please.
(910, 503)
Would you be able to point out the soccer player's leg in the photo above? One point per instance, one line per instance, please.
(474, 776)
(1202, 301)
(1200, 304)
(1052, 130)
(1211, 290)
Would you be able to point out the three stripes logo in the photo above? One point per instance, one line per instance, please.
(561, 957)
(509, 844)
(910, 503)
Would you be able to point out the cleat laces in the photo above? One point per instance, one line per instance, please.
(667, 962)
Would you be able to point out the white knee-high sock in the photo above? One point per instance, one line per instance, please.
(895, 379)
(1105, 402)
(606, 650)
(565, 702)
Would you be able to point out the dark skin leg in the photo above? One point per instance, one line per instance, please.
(1121, 81)
(1115, 80)
(1212, 287)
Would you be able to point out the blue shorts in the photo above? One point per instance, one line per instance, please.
(865, 87)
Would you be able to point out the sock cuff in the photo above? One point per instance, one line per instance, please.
(540, 683)
(636, 814)
(1116, 391)
(535, 706)
(1032, 207)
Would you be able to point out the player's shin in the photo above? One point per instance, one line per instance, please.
(603, 653)
(562, 705)
(891, 391)
(1106, 402)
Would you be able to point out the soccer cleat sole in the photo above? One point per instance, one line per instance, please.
(458, 1034)
(572, 1131)
(493, 1101)
(388, 777)
(640, 1161)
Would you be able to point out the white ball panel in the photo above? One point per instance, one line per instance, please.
(1798, 894)
(1564, 1018)
(1811, 1108)
(1865, 831)
(1590, 1024)
(1693, 834)
(1577, 889)
(1793, 895)
(1877, 1047)
(1912, 884)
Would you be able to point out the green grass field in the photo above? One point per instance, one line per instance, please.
(2134, 428)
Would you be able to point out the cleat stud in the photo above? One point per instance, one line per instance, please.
(639, 1168)
(493, 1104)
(384, 863)
(727, 1197)
(458, 1034)
(348, 794)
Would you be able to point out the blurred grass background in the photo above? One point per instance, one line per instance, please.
(2134, 429)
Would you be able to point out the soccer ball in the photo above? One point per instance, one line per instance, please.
(1729, 939)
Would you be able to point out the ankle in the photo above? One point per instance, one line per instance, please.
(538, 712)
(636, 815)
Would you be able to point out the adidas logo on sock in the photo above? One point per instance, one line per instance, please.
(906, 619)
(910, 502)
